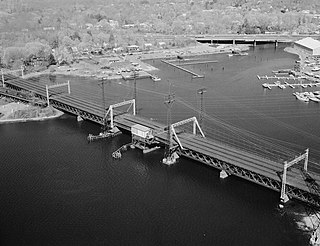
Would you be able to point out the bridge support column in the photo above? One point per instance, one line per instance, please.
(223, 174)
(276, 43)
(170, 159)
(254, 43)
(233, 41)
(79, 118)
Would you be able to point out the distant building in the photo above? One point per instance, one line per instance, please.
(127, 26)
(162, 45)
(49, 28)
(147, 46)
(132, 48)
(118, 50)
(308, 45)
(114, 23)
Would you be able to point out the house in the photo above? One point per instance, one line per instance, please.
(133, 48)
(147, 46)
(114, 23)
(308, 45)
(118, 50)
(162, 45)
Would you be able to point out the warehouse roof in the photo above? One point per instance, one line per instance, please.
(309, 43)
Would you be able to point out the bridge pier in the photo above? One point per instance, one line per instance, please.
(233, 42)
(254, 43)
(170, 159)
(223, 174)
(276, 43)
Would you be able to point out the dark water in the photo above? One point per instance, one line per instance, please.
(56, 189)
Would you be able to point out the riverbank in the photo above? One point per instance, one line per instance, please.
(302, 56)
(122, 64)
(12, 112)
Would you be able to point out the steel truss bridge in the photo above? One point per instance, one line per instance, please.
(252, 167)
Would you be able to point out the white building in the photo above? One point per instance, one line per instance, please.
(308, 45)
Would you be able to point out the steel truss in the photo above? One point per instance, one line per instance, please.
(74, 110)
(67, 108)
(260, 179)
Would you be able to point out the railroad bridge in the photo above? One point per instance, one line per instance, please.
(290, 182)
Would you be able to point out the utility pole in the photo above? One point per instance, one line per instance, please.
(169, 100)
(201, 92)
(135, 88)
(104, 107)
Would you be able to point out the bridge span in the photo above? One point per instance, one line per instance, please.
(253, 39)
(260, 170)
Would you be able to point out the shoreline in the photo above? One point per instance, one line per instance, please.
(84, 69)
(9, 109)
(23, 120)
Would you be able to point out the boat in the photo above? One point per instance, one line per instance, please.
(301, 96)
(282, 71)
(265, 85)
(155, 78)
(315, 69)
(315, 99)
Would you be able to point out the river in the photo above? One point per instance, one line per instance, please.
(58, 189)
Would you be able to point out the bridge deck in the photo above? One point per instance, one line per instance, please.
(260, 169)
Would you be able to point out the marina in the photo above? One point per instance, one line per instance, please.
(291, 85)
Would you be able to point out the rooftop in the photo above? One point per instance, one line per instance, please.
(309, 42)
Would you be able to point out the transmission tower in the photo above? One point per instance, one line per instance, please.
(135, 88)
(104, 126)
(169, 100)
(201, 92)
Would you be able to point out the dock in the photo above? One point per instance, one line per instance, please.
(196, 63)
(277, 77)
(194, 75)
(286, 84)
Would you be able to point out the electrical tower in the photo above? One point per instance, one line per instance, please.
(169, 156)
(201, 92)
(135, 88)
(104, 125)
